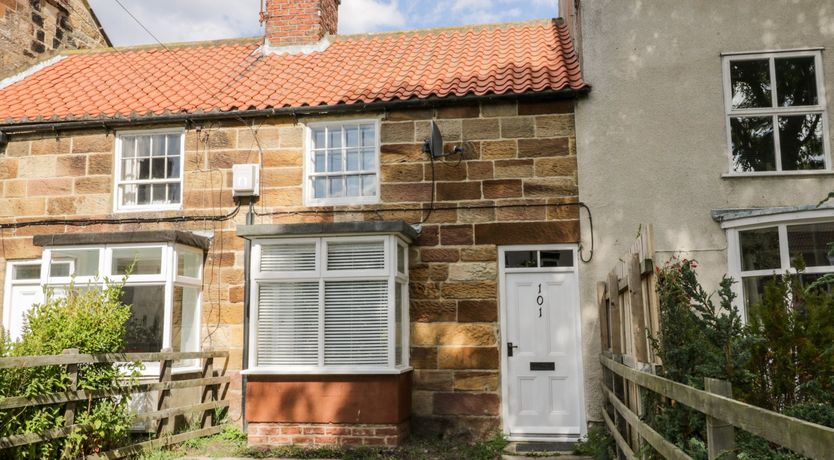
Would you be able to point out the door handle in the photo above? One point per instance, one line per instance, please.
(510, 347)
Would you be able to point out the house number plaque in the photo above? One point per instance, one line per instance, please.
(540, 300)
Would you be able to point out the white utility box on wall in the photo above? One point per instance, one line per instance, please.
(246, 180)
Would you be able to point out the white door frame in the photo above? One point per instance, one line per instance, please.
(503, 313)
(8, 283)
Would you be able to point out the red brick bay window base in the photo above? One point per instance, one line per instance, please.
(370, 410)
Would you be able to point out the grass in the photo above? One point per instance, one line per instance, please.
(232, 443)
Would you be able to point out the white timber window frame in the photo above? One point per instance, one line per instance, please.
(315, 272)
(180, 271)
(368, 151)
(775, 110)
(781, 223)
(173, 167)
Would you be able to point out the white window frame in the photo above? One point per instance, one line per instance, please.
(389, 273)
(775, 111)
(117, 176)
(167, 278)
(309, 168)
(781, 222)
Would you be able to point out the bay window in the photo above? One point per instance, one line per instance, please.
(162, 288)
(330, 304)
(760, 252)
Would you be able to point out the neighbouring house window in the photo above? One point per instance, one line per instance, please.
(330, 304)
(149, 170)
(776, 112)
(343, 163)
(163, 288)
(769, 250)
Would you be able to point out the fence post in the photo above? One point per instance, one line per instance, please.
(721, 437)
(605, 333)
(209, 391)
(72, 371)
(615, 319)
(165, 425)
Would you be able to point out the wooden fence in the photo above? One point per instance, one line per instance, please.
(209, 377)
(629, 315)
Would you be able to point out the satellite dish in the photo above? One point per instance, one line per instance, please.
(434, 144)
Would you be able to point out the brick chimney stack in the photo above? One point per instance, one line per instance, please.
(300, 22)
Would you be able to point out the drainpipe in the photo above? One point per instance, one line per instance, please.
(247, 254)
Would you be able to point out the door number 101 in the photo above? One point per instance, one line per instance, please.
(540, 300)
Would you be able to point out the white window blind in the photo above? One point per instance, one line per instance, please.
(356, 323)
(327, 304)
(288, 257)
(288, 323)
(356, 256)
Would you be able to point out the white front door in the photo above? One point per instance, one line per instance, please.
(23, 290)
(542, 378)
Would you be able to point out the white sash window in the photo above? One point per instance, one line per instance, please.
(330, 305)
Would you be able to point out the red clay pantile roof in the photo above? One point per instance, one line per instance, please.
(236, 76)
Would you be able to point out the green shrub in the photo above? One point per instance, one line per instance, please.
(91, 320)
(598, 444)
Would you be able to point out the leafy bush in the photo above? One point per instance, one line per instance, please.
(91, 320)
(782, 360)
(598, 444)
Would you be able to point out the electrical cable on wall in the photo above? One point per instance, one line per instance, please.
(130, 220)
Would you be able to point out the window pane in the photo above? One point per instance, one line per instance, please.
(754, 289)
(288, 257)
(813, 242)
(334, 138)
(320, 187)
(337, 186)
(288, 324)
(128, 146)
(753, 147)
(334, 160)
(800, 137)
(158, 145)
(354, 162)
(174, 193)
(158, 168)
(143, 194)
(521, 259)
(173, 168)
(356, 323)
(320, 162)
(174, 144)
(128, 195)
(318, 138)
(145, 261)
(369, 185)
(144, 329)
(354, 185)
(129, 170)
(401, 259)
(796, 81)
(760, 249)
(143, 146)
(352, 135)
(562, 258)
(77, 262)
(160, 194)
(368, 136)
(398, 325)
(26, 272)
(356, 256)
(189, 264)
(368, 159)
(807, 279)
(144, 169)
(185, 327)
(750, 81)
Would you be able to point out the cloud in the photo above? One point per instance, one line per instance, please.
(358, 16)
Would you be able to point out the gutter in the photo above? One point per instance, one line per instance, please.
(109, 123)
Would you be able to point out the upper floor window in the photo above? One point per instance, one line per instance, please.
(149, 170)
(343, 163)
(776, 113)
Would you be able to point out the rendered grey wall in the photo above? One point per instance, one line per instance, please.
(652, 137)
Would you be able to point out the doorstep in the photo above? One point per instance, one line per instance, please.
(557, 450)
